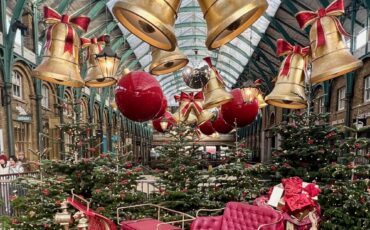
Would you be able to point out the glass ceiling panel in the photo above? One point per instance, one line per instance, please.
(191, 28)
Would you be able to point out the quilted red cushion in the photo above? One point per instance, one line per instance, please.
(242, 216)
(145, 224)
(207, 223)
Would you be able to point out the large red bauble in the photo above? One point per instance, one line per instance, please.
(139, 96)
(163, 108)
(170, 122)
(243, 113)
(221, 126)
(206, 128)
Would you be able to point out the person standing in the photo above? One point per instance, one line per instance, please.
(14, 167)
(4, 165)
(22, 161)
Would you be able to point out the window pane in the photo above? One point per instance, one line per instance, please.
(361, 39)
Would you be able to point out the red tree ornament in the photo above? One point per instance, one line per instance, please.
(221, 126)
(139, 96)
(163, 108)
(206, 128)
(239, 110)
(170, 122)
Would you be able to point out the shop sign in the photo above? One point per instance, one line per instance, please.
(24, 118)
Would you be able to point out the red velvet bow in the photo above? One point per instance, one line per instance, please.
(335, 9)
(191, 99)
(285, 48)
(213, 68)
(312, 190)
(99, 41)
(53, 17)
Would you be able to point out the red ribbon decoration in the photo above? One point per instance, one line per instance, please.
(306, 18)
(285, 48)
(191, 99)
(85, 42)
(53, 17)
(213, 68)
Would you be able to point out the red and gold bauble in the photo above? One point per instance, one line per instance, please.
(221, 126)
(206, 128)
(163, 108)
(139, 96)
(170, 122)
(239, 110)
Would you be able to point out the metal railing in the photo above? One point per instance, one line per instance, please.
(149, 187)
(8, 189)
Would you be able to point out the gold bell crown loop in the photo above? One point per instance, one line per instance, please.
(330, 56)
(289, 90)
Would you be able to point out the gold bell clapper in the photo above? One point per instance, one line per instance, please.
(214, 91)
(60, 62)
(150, 20)
(164, 62)
(289, 90)
(94, 76)
(226, 19)
(330, 56)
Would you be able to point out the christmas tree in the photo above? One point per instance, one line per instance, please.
(308, 143)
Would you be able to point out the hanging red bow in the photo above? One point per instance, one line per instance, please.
(285, 48)
(191, 100)
(213, 68)
(99, 41)
(53, 17)
(306, 18)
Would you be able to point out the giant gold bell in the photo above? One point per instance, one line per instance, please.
(289, 91)
(164, 62)
(58, 66)
(214, 92)
(227, 19)
(150, 20)
(334, 58)
(94, 76)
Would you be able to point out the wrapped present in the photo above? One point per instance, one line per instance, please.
(297, 200)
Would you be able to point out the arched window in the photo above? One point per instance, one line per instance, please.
(17, 85)
(45, 96)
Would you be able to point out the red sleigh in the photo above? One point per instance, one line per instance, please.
(99, 222)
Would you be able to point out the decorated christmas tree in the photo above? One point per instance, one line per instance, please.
(308, 143)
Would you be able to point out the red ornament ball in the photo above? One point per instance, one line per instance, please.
(206, 128)
(139, 96)
(239, 111)
(170, 122)
(163, 108)
(220, 125)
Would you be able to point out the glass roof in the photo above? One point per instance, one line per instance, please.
(191, 32)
